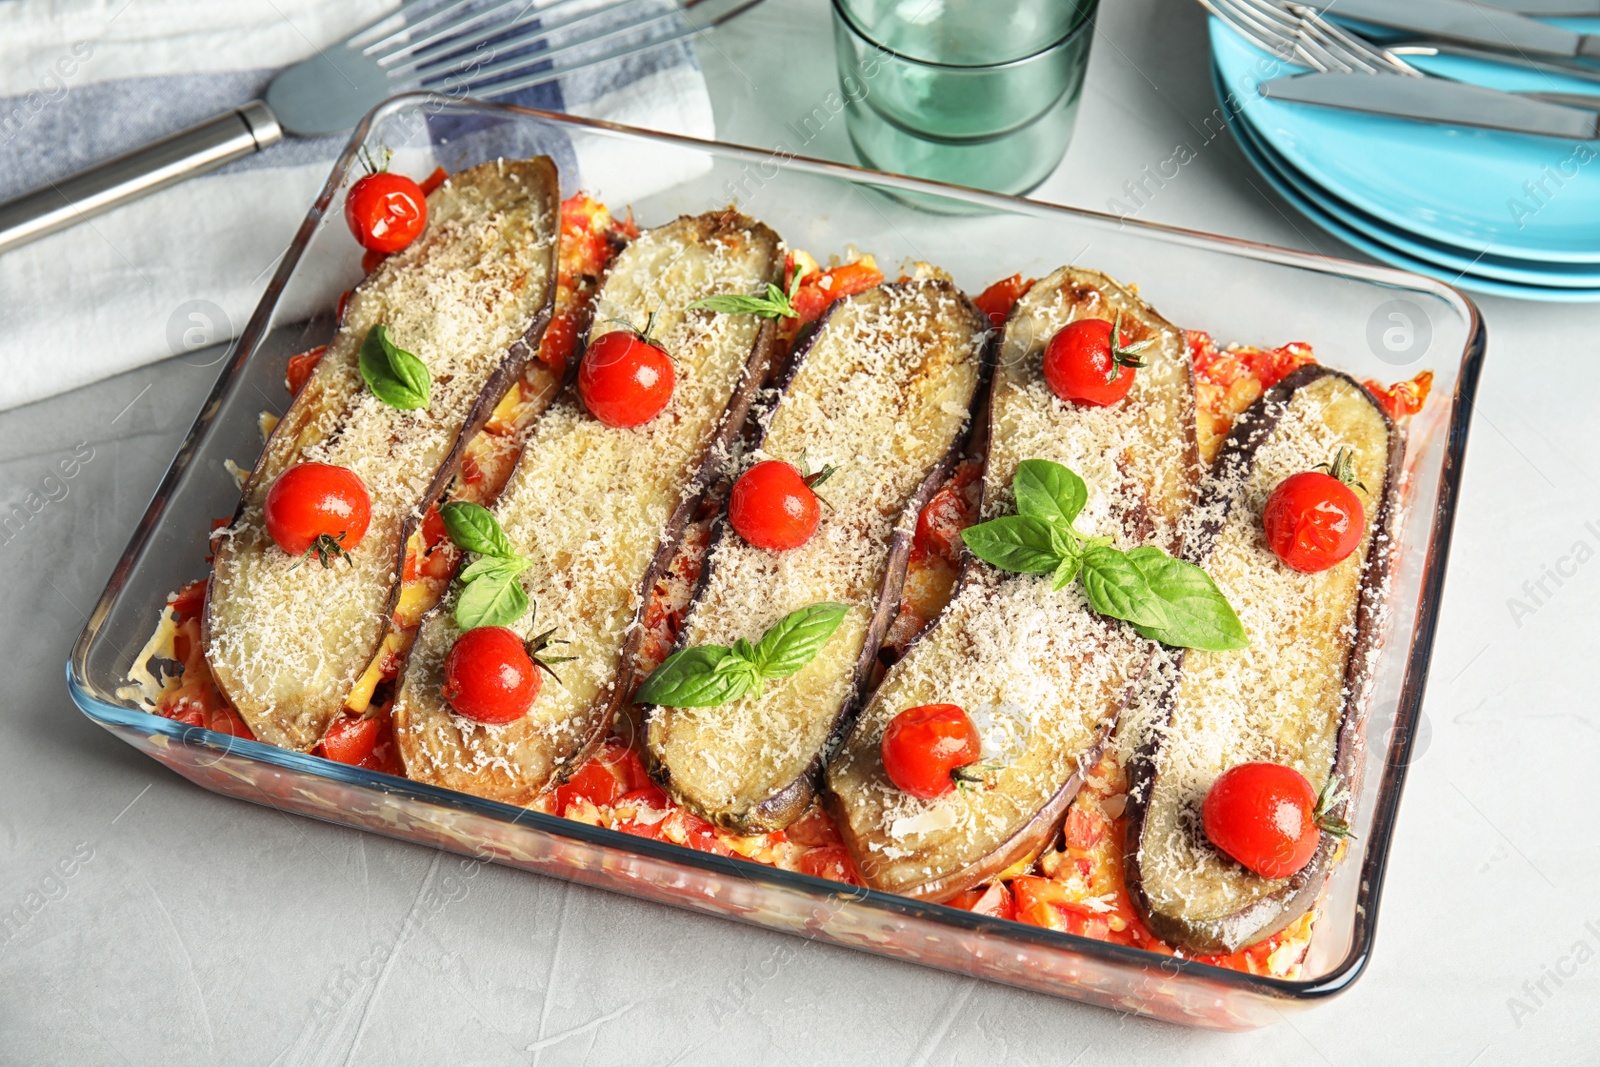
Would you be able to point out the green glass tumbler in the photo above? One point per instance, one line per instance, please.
(974, 92)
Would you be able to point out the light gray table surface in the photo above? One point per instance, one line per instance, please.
(195, 929)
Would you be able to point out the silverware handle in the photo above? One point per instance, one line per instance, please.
(206, 146)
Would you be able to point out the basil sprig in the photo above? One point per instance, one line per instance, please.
(707, 675)
(490, 592)
(1165, 599)
(394, 375)
(777, 304)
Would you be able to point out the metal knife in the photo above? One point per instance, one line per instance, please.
(1436, 100)
(1461, 20)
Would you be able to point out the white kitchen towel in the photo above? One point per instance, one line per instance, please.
(82, 80)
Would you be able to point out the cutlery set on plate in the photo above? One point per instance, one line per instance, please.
(1361, 56)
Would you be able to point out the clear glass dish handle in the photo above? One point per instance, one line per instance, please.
(202, 147)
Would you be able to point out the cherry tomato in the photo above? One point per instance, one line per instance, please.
(625, 379)
(923, 746)
(1083, 366)
(773, 506)
(318, 507)
(1313, 520)
(1265, 816)
(489, 676)
(350, 739)
(385, 211)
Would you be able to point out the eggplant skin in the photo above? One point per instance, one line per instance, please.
(1009, 648)
(1189, 894)
(882, 388)
(600, 512)
(471, 298)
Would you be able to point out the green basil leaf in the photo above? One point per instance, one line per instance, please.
(1067, 571)
(1198, 615)
(485, 567)
(1118, 588)
(1048, 491)
(775, 305)
(474, 529)
(394, 375)
(1015, 543)
(496, 599)
(690, 679)
(794, 640)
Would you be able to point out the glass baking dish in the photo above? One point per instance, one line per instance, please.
(1372, 321)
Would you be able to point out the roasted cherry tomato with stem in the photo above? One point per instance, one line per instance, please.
(928, 749)
(318, 508)
(626, 378)
(1314, 519)
(493, 676)
(385, 211)
(1090, 362)
(1268, 817)
(774, 505)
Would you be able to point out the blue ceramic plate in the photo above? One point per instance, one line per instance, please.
(1475, 190)
(1378, 250)
(1497, 268)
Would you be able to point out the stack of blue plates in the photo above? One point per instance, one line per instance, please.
(1502, 213)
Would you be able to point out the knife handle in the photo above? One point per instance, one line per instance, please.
(206, 146)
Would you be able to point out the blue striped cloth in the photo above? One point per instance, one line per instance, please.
(82, 80)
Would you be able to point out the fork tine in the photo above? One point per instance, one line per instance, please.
(541, 25)
(453, 78)
(1360, 45)
(1262, 36)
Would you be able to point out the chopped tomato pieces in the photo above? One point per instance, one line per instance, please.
(433, 181)
(187, 602)
(370, 260)
(433, 530)
(643, 811)
(592, 782)
(831, 862)
(998, 300)
(1403, 398)
(300, 368)
(350, 740)
(952, 509)
(993, 900)
(692, 830)
(814, 828)
(560, 340)
(819, 289)
(1083, 828)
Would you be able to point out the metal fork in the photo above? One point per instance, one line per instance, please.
(455, 47)
(1299, 34)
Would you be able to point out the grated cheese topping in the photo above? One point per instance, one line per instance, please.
(288, 639)
(1010, 646)
(882, 393)
(1284, 698)
(590, 506)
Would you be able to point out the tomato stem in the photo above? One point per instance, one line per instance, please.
(1343, 468)
(1124, 355)
(327, 547)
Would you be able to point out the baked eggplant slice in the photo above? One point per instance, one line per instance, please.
(1029, 661)
(599, 511)
(286, 638)
(881, 391)
(1295, 696)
